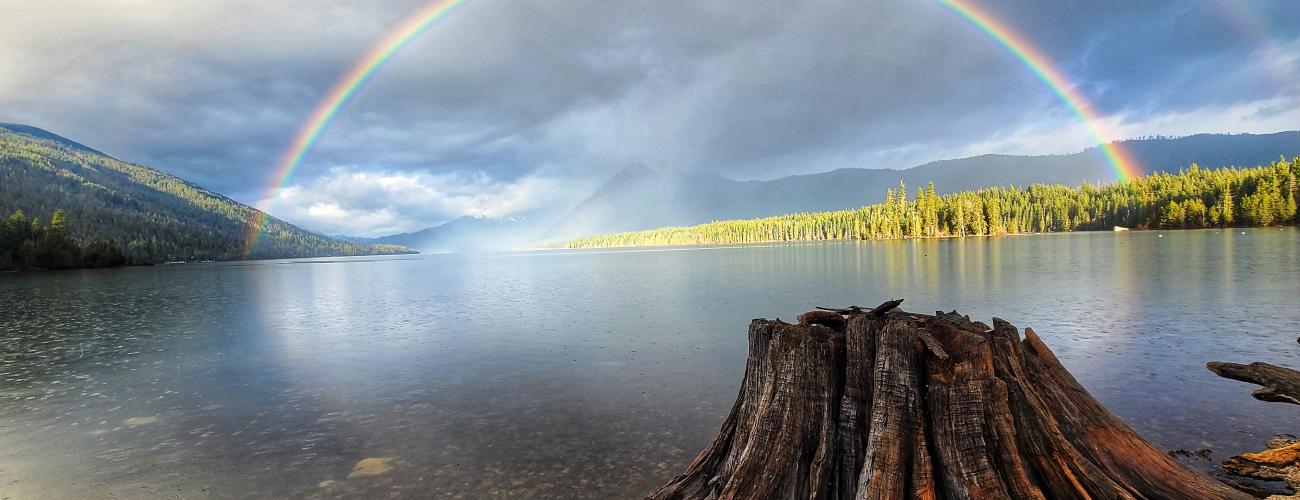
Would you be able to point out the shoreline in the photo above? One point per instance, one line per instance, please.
(943, 237)
(207, 261)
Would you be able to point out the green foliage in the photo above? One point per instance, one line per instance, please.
(91, 198)
(1191, 198)
(28, 244)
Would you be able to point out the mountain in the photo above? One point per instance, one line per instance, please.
(1212, 150)
(466, 234)
(641, 197)
(154, 216)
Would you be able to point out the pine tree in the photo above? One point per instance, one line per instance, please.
(58, 223)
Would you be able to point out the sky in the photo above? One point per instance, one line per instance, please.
(523, 106)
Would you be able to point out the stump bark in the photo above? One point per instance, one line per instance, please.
(887, 404)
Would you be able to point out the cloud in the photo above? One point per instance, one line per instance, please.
(377, 203)
(573, 90)
(1257, 117)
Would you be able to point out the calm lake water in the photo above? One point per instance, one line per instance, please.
(573, 374)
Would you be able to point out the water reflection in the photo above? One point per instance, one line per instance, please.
(570, 374)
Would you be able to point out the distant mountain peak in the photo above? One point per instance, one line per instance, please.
(466, 233)
(635, 172)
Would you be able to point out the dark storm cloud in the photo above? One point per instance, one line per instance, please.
(507, 92)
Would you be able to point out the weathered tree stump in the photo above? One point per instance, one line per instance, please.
(889, 404)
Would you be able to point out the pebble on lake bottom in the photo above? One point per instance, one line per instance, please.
(372, 466)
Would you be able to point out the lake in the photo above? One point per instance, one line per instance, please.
(594, 374)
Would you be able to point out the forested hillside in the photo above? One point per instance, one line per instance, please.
(1191, 198)
(153, 217)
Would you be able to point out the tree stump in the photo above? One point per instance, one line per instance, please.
(888, 404)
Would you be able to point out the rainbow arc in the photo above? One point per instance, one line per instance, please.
(1121, 160)
(418, 22)
(408, 29)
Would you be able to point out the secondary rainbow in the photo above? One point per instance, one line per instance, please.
(1121, 161)
(410, 28)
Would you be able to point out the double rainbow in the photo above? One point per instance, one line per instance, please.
(1120, 160)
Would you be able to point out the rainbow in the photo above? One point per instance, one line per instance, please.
(346, 87)
(412, 26)
(1121, 160)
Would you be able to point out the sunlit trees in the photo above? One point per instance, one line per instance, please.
(29, 244)
(1195, 197)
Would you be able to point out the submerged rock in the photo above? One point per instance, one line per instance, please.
(1280, 441)
(1203, 453)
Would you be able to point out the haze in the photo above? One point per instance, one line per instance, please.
(511, 108)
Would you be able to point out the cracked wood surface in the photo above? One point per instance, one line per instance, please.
(888, 404)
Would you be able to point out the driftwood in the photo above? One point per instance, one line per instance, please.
(899, 405)
(1279, 385)
(1281, 461)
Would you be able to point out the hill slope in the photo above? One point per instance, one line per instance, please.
(466, 234)
(640, 197)
(152, 215)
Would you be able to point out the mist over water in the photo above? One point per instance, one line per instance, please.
(567, 374)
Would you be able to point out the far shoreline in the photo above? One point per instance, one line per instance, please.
(915, 238)
(205, 261)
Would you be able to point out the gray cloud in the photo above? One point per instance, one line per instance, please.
(377, 203)
(568, 91)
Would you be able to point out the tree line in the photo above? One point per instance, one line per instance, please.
(28, 244)
(1192, 198)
